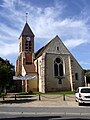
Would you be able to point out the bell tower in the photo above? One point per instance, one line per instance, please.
(26, 52)
(25, 62)
(26, 45)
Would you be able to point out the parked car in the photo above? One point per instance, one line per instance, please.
(82, 95)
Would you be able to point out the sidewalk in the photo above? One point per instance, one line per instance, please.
(46, 101)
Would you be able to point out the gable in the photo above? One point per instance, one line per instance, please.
(56, 46)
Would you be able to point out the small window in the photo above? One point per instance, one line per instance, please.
(58, 48)
(20, 47)
(76, 76)
(59, 81)
(28, 63)
(29, 43)
(30, 48)
(26, 47)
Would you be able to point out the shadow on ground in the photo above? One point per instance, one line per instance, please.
(17, 101)
(44, 118)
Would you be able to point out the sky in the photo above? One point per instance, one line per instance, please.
(69, 19)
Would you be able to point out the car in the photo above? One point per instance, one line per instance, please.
(82, 95)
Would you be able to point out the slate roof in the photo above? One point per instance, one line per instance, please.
(27, 31)
(41, 50)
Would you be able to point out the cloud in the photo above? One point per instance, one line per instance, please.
(71, 43)
(72, 31)
(45, 23)
(86, 64)
(7, 31)
(7, 49)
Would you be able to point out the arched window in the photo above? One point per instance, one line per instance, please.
(58, 67)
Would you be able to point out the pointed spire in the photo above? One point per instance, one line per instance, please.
(27, 31)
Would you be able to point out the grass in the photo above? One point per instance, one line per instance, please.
(2, 94)
(64, 92)
(24, 93)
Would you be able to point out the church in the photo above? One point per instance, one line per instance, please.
(54, 66)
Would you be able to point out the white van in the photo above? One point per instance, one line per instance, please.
(82, 95)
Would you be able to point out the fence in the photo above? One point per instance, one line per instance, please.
(40, 97)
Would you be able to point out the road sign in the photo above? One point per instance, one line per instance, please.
(24, 77)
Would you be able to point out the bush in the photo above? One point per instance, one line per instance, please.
(30, 92)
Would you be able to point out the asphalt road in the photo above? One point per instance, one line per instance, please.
(44, 113)
(46, 110)
(47, 117)
(51, 107)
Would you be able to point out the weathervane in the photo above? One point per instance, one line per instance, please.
(26, 17)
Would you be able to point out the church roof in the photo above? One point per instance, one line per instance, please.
(41, 50)
(27, 31)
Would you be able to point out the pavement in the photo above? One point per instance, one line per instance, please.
(44, 100)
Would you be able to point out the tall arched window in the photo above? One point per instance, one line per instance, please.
(58, 67)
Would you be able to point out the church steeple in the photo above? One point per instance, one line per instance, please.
(25, 62)
(26, 45)
(26, 40)
(27, 31)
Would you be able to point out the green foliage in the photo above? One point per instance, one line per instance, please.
(6, 73)
(2, 94)
(25, 93)
(64, 92)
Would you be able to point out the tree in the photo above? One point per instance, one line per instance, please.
(6, 74)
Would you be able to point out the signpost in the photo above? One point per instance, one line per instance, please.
(24, 77)
(24, 80)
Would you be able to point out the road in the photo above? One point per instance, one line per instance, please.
(50, 107)
(45, 113)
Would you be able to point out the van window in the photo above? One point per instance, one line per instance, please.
(85, 90)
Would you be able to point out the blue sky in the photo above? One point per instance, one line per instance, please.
(69, 19)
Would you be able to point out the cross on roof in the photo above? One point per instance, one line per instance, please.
(26, 17)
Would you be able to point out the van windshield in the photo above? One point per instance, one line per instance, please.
(85, 90)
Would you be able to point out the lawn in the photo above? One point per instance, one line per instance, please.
(64, 92)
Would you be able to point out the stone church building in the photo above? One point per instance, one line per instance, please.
(53, 65)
